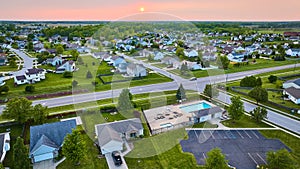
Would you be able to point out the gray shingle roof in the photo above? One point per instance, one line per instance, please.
(106, 134)
(296, 81)
(208, 111)
(55, 132)
(293, 92)
(44, 140)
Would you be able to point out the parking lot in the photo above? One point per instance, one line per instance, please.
(245, 149)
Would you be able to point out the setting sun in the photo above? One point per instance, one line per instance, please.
(142, 9)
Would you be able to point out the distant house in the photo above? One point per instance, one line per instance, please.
(192, 65)
(236, 57)
(116, 60)
(99, 55)
(293, 94)
(122, 68)
(174, 62)
(4, 145)
(208, 56)
(110, 135)
(57, 60)
(145, 53)
(158, 56)
(136, 70)
(52, 51)
(83, 50)
(47, 139)
(292, 83)
(3, 59)
(293, 52)
(265, 51)
(191, 53)
(31, 76)
(66, 66)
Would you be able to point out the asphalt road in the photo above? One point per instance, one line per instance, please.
(28, 62)
(276, 118)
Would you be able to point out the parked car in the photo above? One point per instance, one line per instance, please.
(193, 79)
(117, 158)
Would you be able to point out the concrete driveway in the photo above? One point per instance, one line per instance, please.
(48, 164)
(111, 163)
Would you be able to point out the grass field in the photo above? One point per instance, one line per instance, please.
(57, 83)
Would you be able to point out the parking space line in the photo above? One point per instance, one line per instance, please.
(196, 134)
(261, 158)
(204, 155)
(252, 158)
(255, 134)
(219, 134)
(240, 134)
(247, 134)
(211, 134)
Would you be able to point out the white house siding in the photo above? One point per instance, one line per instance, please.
(112, 146)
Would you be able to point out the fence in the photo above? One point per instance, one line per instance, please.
(176, 126)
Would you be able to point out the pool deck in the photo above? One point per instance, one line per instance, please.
(169, 116)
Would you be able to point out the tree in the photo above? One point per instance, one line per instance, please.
(4, 89)
(223, 62)
(1, 166)
(280, 159)
(259, 94)
(236, 108)
(30, 46)
(20, 155)
(258, 114)
(89, 75)
(75, 54)
(29, 89)
(125, 105)
(272, 78)
(184, 68)
(74, 147)
(30, 37)
(60, 49)
(67, 74)
(74, 83)
(180, 95)
(248, 81)
(180, 52)
(259, 82)
(216, 160)
(211, 91)
(19, 109)
(40, 114)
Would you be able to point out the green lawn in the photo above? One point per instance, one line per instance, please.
(56, 82)
(8, 68)
(245, 122)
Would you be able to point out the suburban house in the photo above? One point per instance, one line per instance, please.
(47, 139)
(99, 55)
(66, 66)
(293, 94)
(265, 51)
(158, 56)
(122, 68)
(145, 53)
(57, 60)
(209, 56)
(111, 136)
(293, 52)
(192, 65)
(136, 70)
(292, 83)
(31, 76)
(3, 59)
(116, 60)
(174, 62)
(4, 145)
(191, 53)
(236, 57)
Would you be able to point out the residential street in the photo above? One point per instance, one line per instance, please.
(280, 120)
(28, 62)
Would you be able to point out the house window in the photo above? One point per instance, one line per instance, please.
(132, 134)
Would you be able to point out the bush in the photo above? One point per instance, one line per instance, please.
(29, 89)
(95, 83)
(74, 83)
(89, 75)
(248, 81)
(4, 89)
(67, 74)
(272, 78)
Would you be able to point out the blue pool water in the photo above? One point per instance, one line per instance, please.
(195, 107)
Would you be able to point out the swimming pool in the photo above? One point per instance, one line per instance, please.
(195, 107)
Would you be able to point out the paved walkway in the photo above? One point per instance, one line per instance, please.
(111, 163)
(48, 164)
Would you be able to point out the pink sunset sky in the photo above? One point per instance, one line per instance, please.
(205, 10)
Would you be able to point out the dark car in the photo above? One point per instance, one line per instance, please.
(117, 158)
